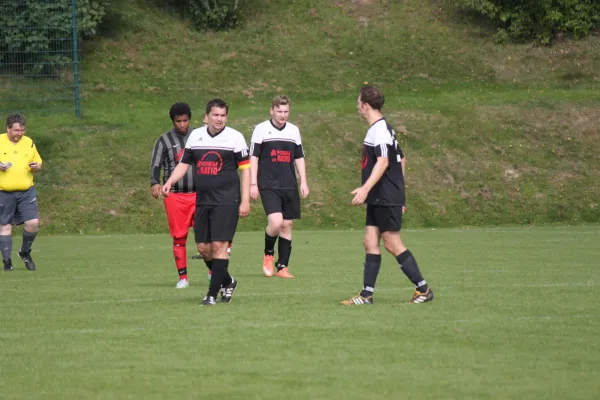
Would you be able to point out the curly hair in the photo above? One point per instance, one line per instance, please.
(180, 109)
(15, 119)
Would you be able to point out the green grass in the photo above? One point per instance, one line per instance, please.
(493, 134)
(516, 315)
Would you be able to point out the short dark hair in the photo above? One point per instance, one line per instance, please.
(180, 109)
(372, 96)
(217, 103)
(15, 119)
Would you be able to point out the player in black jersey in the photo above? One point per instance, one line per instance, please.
(383, 165)
(216, 152)
(275, 155)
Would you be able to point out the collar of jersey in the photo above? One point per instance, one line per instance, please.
(275, 126)
(216, 134)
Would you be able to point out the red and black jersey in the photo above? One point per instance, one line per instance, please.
(381, 142)
(215, 160)
(276, 150)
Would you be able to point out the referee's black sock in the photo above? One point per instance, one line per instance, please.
(219, 271)
(28, 238)
(409, 266)
(208, 264)
(269, 244)
(372, 266)
(284, 250)
(6, 246)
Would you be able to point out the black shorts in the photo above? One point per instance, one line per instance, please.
(286, 202)
(18, 206)
(215, 223)
(386, 218)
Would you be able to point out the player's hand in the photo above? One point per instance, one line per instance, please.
(360, 195)
(254, 192)
(244, 209)
(304, 190)
(166, 189)
(403, 209)
(156, 189)
(3, 167)
(34, 166)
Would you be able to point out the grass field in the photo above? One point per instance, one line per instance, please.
(516, 315)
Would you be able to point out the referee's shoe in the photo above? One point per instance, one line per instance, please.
(26, 257)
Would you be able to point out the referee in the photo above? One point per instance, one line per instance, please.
(19, 159)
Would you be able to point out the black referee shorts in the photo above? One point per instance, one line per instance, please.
(286, 202)
(215, 223)
(386, 218)
(18, 206)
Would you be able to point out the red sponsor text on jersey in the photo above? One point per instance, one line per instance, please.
(282, 156)
(210, 164)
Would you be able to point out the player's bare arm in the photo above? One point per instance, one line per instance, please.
(301, 168)
(360, 194)
(178, 173)
(253, 177)
(244, 210)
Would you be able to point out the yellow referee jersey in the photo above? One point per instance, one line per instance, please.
(20, 154)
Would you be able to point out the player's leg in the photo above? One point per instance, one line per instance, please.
(8, 201)
(290, 211)
(179, 222)
(221, 235)
(393, 244)
(27, 212)
(372, 263)
(271, 201)
(202, 216)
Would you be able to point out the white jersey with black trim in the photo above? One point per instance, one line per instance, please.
(380, 141)
(216, 159)
(277, 150)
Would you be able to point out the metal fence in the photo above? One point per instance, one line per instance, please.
(39, 57)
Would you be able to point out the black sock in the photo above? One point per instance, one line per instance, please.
(269, 244)
(409, 266)
(284, 249)
(372, 266)
(219, 270)
(209, 264)
(6, 246)
(227, 279)
(28, 238)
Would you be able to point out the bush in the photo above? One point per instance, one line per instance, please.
(36, 32)
(537, 20)
(207, 14)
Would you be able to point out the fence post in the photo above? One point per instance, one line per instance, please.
(75, 56)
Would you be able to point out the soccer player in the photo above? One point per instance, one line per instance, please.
(19, 160)
(383, 166)
(276, 153)
(181, 203)
(216, 151)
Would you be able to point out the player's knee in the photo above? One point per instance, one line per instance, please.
(205, 249)
(393, 244)
(286, 226)
(179, 241)
(276, 221)
(32, 225)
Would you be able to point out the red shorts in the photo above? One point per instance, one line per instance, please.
(180, 213)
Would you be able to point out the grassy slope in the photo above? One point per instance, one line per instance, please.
(493, 134)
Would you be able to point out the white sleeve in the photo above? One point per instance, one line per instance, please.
(239, 144)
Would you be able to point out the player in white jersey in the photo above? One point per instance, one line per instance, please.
(276, 154)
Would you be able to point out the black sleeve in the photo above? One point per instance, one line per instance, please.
(158, 156)
(299, 152)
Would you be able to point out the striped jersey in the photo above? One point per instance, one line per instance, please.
(276, 150)
(167, 152)
(381, 142)
(215, 160)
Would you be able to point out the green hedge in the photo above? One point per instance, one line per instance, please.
(536, 20)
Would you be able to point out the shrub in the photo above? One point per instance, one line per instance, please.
(537, 20)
